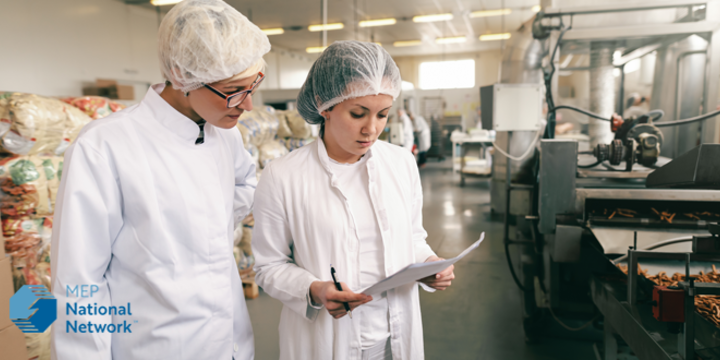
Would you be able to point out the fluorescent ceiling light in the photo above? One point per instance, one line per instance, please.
(407, 43)
(451, 40)
(486, 13)
(491, 37)
(273, 31)
(536, 8)
(328, 27)
(315, 50)
(378, 22)
(432, 18)
(406, 85)
(164, 2)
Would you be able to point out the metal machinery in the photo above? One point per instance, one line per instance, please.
(583, 213)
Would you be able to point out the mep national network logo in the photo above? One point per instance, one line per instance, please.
(33, 308)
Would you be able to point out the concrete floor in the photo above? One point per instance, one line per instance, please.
(479, 316)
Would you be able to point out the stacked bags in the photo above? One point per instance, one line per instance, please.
(35, 131)
(259, 129)
(29, 187)
(293, 131)
(33, 124)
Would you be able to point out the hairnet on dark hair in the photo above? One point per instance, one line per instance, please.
(347, 70)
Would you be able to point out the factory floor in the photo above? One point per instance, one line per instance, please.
(480, 315)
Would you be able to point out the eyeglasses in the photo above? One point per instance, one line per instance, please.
(234, 100)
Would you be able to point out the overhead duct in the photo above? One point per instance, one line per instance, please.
(602, 91)
(679, 90)
(521, 64)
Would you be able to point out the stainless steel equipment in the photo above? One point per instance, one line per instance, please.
(578, 219)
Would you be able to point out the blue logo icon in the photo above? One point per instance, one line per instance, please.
(33, 308)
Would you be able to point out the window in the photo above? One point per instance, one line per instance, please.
(459, 74)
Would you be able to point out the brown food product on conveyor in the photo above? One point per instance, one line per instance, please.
(707, 305)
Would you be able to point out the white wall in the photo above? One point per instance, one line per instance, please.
(286, 69)
(52, 47)
(459, 102)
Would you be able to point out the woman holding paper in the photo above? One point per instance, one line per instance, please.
(350, 201)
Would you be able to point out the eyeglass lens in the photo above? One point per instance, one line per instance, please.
(237, 100)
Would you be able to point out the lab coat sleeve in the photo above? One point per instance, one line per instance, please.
(422, 249)
(88, 218)
(275, 268)
(245, 184)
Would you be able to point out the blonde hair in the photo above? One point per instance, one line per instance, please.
(255, 68)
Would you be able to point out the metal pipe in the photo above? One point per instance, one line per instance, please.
(658, 245)
(602, 92)
(585, 10)
(621, 95)
(677, 78)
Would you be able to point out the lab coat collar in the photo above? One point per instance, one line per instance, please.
(325, 158)
(177, 123)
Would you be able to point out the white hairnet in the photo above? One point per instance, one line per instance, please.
(204, 41)
(347, 70)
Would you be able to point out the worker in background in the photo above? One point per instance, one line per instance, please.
(349, 201)
(149, 199)
(423, 130)
(636, 105)
(408, 136)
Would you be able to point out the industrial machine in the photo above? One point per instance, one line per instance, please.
(592, 235)
(587, 223)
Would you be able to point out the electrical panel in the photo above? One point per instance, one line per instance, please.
(511, 107)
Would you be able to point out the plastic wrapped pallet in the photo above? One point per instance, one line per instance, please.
(292, 143)
(24, 186)
(283, 127)
(74, 122)
(270, 124)
(51, 167)
(95, 106)
(4, 113)
(40, 125)
(257, 126)
(27, 241)
(271, 150)
(299, 127)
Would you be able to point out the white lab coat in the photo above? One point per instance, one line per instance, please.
(421, 126)
(303, 224)
(148, 217)
(408, 136)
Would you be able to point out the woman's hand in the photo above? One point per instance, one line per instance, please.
(324, 292)
(441, 280)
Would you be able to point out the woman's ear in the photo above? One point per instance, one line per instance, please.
(325, 114)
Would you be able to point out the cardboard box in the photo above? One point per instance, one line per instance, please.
(113, 90)
(6, 291)
(124, 92)
(104, 83)
(91, 91)
(12, 344)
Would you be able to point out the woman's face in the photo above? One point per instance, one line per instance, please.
(352, 126)
(212, 108)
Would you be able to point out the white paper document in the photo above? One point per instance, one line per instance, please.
(415, 272)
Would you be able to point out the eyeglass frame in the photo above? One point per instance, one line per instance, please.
(245, 93)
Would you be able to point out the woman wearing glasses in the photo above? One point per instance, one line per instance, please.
(350, 201)
(149, 199)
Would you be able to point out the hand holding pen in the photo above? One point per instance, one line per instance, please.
(335, 295)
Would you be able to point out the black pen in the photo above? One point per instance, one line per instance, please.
(339, 288)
